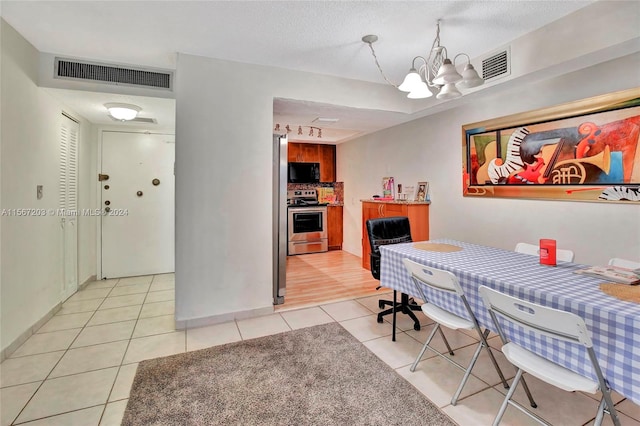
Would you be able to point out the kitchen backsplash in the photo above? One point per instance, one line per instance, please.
(324, 190)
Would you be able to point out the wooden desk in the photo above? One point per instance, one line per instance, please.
(417, 212)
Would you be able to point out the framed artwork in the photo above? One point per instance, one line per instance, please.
(423, 190)
(587, 150)
(387, 188)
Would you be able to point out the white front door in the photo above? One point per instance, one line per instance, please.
(69, 130)
(138, 203)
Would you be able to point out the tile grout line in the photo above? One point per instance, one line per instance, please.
(56, 364)
(124, 354)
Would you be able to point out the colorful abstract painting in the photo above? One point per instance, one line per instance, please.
(584, 151)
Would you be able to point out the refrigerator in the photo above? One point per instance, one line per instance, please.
(279, 218)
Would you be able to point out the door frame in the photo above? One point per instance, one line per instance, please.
(98, 203)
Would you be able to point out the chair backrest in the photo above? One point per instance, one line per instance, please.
(624, 263)
(563, 255)
(388, 230)
(437, 279)
(542, 320)
(383, 231)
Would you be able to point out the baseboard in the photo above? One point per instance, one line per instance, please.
(6, 352)
(11, 348)
(86, 282)
(217, 319)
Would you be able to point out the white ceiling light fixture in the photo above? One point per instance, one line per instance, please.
(123, 112)
(437, 74)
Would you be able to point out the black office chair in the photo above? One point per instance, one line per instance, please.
(383, 231)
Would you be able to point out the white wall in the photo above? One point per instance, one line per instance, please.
(429, 149)
(31, 247)
(224, 174)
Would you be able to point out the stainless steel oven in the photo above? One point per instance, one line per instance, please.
(307, 229)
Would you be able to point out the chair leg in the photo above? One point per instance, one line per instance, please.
(600, 414)
(446, 342)
(607, 402)
(483, 336)
(424, 348)
(409, 312)
(395, 306)
(467, 373)
(503, 407)
(528, 392)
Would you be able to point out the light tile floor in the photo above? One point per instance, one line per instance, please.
(79, 367)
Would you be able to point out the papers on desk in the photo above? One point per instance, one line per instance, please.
(612, 273)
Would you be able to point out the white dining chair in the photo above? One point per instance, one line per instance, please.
(563, 255)
(551, 323)
(444, 281)
(624, 263)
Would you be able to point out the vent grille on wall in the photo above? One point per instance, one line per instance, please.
(496, 65)
(112, 74)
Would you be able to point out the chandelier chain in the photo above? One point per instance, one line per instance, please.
(373, 52)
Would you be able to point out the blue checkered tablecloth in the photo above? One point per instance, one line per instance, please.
(614, 324)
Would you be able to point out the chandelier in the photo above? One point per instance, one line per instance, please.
(437, 73)
(287, 129)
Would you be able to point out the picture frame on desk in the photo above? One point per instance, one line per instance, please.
(423, 190)
(388, 188)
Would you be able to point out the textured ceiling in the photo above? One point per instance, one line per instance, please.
(316, 36)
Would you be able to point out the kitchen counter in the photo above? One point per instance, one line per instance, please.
(408, 202)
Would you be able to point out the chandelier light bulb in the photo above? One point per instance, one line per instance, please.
(449, 91)
(470, 78)
(447, 74)
(411, 81)
(420, 92)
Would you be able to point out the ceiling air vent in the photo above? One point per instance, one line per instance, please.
(496, 65)
(112, 74)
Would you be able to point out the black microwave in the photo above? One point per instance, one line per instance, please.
(303, 173)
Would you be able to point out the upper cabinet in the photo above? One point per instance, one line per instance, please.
(327, 162)
(315, 153)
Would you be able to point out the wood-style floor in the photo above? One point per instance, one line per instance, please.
(318, 278)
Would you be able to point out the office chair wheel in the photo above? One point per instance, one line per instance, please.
(380, 320)
(381, 304)
(416, 327)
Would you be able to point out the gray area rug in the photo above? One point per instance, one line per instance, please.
(314, 376)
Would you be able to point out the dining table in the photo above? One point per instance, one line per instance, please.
(614, 323)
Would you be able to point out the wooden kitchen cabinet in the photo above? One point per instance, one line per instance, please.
(309, 153)
(327, 155)
(334, 227)
(293, 152)
(418, 214)
(315, 153)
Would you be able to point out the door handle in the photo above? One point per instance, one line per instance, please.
(102, 177)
